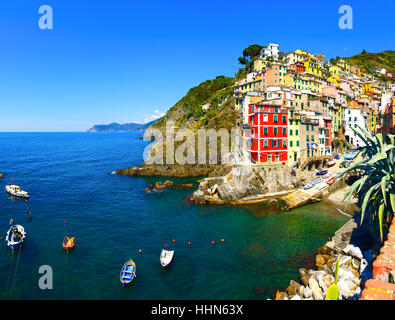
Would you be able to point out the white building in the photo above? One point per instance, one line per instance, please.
(270, 51)
(354, 118)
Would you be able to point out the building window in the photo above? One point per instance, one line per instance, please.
(265, 143)
(291, 143)
(265, 130)
(277, 157)
(275, 130)
(284, 131)
(296, 132)
(290, 132)
(284, 143)
(297, 143)
(275, 118)
(265, 118)
(284, 119)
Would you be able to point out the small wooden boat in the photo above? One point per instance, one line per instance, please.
(321, 173)
(331, 181)
(128, 272)
(16, 191)
(309, 186)
(326, 176)
(68, 243)
(317, 180)
(331, 163)
(166, 256)
(15, 236)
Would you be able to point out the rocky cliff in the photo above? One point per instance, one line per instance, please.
(249, 184)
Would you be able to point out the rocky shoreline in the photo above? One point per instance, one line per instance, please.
(244, 185)
(355, 248)
(176, 170)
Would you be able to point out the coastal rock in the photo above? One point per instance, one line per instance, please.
(316, 290)
(247, 183)
(291, 291)
(363, 265)
(298, 287)
(307, 293)
(320, 260)
(353, 251)
(281, 295)
(296, 297)
(176, 170)
(304, 276)
(325, 281)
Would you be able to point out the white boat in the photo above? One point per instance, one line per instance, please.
(165, 257)
(15, 236)
(331, 163)
(328, 175)
(16, 191)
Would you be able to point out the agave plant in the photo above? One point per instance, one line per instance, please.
(376, 187)
(333, 291)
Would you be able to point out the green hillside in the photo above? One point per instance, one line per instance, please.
(367, 60)
(188, 111)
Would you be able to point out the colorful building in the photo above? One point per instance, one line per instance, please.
(268, 131)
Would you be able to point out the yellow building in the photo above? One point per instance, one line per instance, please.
(260, 64)
(334, 80)
(311, 65)
(373, 120)
(293, 136)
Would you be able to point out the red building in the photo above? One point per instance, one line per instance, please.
(298, 67)
(328, 135)
(267, 130)
(389, 119)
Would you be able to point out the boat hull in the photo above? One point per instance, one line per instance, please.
(16, 194)
(15, 244)
(128, 273)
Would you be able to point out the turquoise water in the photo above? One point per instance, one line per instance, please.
(68, 177)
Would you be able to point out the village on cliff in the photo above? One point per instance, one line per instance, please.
(296, 106)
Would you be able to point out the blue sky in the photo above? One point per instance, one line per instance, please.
(123, 61)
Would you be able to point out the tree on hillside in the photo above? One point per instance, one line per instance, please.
(243, 61)
(252, 51)
(363, 51)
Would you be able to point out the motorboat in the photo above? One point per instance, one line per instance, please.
(15, 236)
(166, 256)
(16, 191)
(321, 173)
(128, 272)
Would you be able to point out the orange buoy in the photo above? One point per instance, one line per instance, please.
(30, 214)
(222, 240)
(1, 238)
(68, 243)
(27, 209)
(139, 250)
(212, 242)
(189, 243)
(174, 240)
